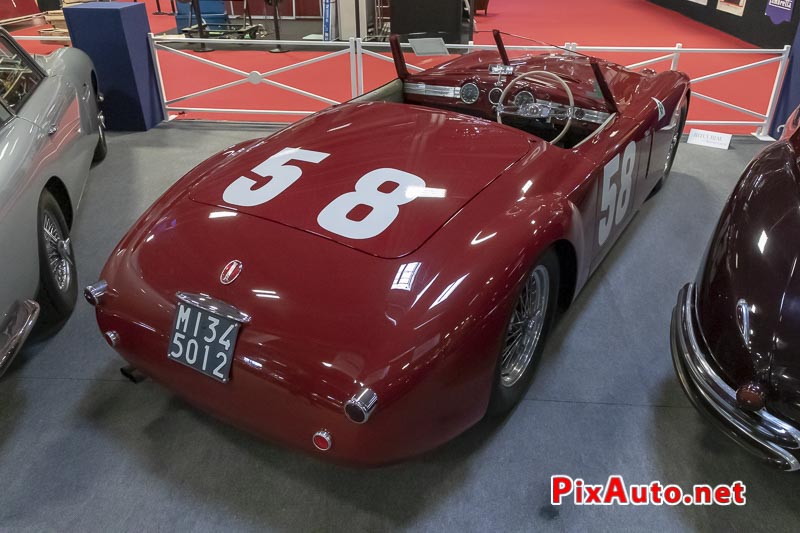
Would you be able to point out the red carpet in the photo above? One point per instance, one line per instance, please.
(587, 22)
(158, 24)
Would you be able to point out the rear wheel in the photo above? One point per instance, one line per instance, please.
(58, 284)
(673, 149)
(676, 140)
(525, 334)
(101, 150)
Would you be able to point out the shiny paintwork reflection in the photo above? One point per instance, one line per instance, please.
(416, 314)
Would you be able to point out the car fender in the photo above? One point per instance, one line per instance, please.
(463, 311)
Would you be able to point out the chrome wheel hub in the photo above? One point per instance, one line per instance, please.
(675, 139)
(59, 252)
(525, 328)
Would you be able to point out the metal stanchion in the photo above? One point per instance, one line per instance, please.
(201, 28)
(276, 17)
(159, 11)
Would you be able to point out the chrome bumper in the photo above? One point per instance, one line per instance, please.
(760, 432)
(14, 330)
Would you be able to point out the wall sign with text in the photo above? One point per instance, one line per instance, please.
(779, 11)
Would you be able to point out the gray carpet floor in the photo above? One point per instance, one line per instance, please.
(82, 449)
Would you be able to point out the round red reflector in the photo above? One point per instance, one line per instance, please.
(322, 440)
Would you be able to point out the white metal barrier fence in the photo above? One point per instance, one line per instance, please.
(357, 50)
(672, 54)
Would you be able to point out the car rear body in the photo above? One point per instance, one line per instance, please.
(415, 312)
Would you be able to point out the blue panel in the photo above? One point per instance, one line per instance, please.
(114, 35)
(213, 12)
(182, 21)
(206, 6)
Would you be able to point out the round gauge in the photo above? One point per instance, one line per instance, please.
(523, 98)
(470, 93)
(496, 93)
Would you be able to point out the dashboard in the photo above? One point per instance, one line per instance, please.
(481, 97)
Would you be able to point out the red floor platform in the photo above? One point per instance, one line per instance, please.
(589, 23)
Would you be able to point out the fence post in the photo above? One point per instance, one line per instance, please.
(676, 56)
(353, 69)
(162, 95)
(763, 132)
(360, 60)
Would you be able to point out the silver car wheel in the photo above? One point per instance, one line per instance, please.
(675, 139)
(58, 252)
(525, 328)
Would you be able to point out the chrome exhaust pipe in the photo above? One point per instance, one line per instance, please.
(93, 293)
(361, 406)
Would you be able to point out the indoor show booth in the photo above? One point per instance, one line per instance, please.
(399, 265)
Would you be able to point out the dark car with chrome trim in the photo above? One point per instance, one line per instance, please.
(735, 332)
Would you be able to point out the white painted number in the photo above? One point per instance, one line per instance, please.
(241, 191)
(221, 365)
(615, 201)
(191, 355)
(384, 206)
(176, 341)
(213, 323)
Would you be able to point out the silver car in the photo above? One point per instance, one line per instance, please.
(51, 130)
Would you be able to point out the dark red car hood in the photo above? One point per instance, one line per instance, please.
(453, 153)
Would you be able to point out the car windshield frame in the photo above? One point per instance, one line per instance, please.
(28, 62)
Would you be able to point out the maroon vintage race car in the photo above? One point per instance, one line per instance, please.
(736, 329)
(365, 284)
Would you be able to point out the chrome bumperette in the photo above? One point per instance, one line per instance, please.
(14, 330)
(424, 89)
(93, 293)
(360, 407)
(758, 431)
(212, 305)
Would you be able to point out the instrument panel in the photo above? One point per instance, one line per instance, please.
(481, 95)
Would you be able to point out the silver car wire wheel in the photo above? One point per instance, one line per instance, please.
(526, 326)
(58, 252)
(676, 137)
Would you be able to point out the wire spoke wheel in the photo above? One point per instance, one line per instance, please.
(526, 326)
(58, 250)
(673, 143)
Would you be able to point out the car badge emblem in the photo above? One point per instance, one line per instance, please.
(230, 272)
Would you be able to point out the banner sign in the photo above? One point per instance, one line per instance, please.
(779, 11)
(326, 20)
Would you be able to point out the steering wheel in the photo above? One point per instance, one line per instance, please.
(533, 110)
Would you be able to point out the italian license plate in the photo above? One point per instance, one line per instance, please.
(203, 341)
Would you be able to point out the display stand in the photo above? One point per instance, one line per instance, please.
(276, 17)
(114, 36)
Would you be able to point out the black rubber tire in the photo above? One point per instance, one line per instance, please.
(681, 125)
(56, 305)
(504, 398)
(101, 150)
